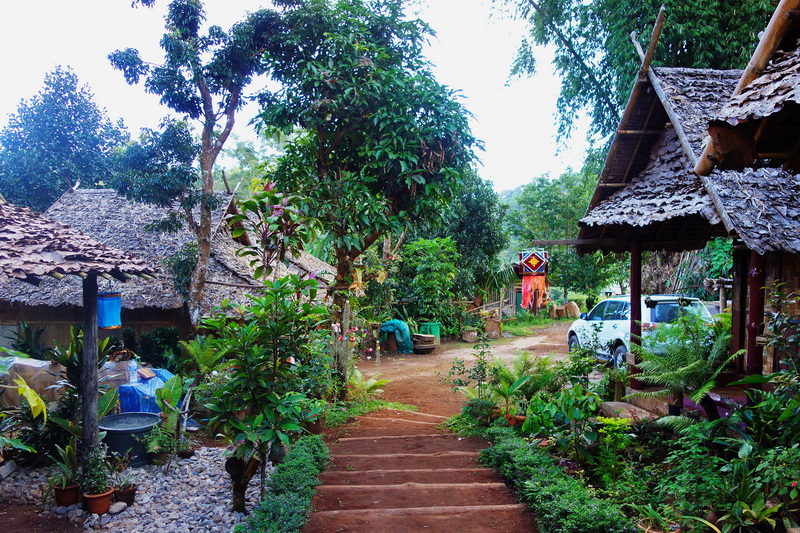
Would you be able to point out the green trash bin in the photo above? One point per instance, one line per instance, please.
(431, 328)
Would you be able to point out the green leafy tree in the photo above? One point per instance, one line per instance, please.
(203, 77)
(427, 279)
(597, 61)
(385, 144)
(550, 210)
(55, 139)
(475, 221)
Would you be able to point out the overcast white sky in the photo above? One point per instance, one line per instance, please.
(472, 53)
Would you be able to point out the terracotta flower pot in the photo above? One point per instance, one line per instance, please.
(316, 427)
(126, 495)
(186, 454)
(98, 503)
(69, 495)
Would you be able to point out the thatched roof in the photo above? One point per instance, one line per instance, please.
(114, 220)
(761, 122)
(763, 206)
(647, 190)
(33, 246)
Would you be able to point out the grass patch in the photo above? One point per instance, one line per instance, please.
(339, 413)
(525, 323)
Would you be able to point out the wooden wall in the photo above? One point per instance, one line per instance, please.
(56, 321)
(782, 267)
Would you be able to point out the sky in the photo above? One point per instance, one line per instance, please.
(472, 53)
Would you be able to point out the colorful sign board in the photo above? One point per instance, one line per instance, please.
(533, 262)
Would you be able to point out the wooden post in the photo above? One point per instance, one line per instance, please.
(756, 279)
(723, 296)
(636, 304)
(89, 428)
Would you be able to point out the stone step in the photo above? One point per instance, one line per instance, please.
(417, 475)
(402, 461)
(409, 495)
(507, 518)
(385, 444)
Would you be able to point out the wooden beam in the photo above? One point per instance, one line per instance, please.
(673, 116)
(770, 39)
(631, 103)
(640, 132)
(636, 303)
(238, 285)
(612, 185)
(626, 176)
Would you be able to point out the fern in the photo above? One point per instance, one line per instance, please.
(686, 357)
(203, 352)
(359, 387)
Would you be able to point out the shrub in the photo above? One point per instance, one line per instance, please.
(291, 486)
(479, 410)
(280, 513)
(562, 504)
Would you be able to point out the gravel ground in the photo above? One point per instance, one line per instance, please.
(194, 496)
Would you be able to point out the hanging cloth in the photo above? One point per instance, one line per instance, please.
(531, 284)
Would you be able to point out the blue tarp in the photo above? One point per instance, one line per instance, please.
(401, 334)
(140, 396)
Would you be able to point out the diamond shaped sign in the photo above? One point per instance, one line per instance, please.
(533, 262)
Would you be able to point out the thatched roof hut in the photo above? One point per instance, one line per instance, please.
(647, 189)
(115, 221)
(754, 149)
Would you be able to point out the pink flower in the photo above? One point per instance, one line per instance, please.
(794, 484)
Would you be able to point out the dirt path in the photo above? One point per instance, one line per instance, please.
(400, 471)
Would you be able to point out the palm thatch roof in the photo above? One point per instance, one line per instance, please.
(112, 219)
(647, 190)
(33, 246)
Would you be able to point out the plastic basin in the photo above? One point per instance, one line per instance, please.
(125, 431)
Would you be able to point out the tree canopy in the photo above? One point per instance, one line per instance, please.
(549, 209)
(55, 139)
(475, 221)
(203, 77)
(385, 144)
(597, 61)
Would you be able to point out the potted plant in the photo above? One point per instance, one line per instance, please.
(161, 444)
(125, 488)
(97, 487)
(65, 475)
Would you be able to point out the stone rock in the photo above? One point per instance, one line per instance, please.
(117, 507)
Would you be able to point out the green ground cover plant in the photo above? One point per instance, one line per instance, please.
(284, 508)
(584, 472)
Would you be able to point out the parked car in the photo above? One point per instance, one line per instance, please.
(611, 321)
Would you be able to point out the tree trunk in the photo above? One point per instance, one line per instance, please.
(241, 473)
(200, 272)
